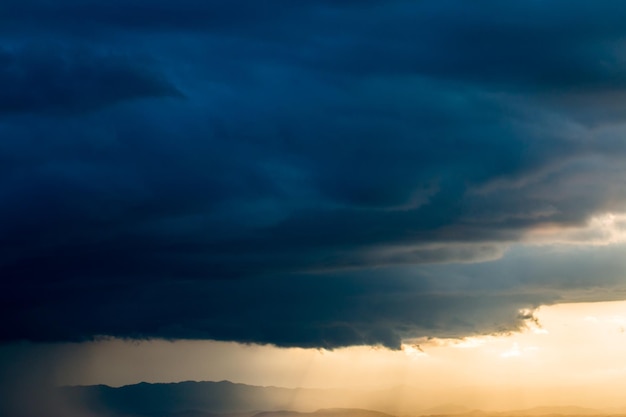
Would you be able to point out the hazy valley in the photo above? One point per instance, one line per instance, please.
(227, 399)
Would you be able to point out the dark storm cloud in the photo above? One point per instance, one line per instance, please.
(381, 306)
(45, 79)
(288, 160)
(311, 311)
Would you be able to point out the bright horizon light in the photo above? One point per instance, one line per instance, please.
(568, 347)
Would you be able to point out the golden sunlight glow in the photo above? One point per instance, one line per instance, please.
(605, 229)
(513, 352)
(568, 354)
(413, 351)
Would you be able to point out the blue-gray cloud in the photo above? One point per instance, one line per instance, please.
(42, 79)
(258, 172)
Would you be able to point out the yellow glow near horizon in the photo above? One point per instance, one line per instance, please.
(575, 355)
(574, 341)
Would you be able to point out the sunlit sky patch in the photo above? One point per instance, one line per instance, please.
(573, 346)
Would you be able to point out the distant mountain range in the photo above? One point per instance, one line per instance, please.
(217, 398)
(329, 412)
(227, 399)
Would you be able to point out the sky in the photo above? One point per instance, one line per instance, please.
(572, 355)
(328, 176)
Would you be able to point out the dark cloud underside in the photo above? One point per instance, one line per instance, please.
(257, 171)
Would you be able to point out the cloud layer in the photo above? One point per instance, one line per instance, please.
(303, 174)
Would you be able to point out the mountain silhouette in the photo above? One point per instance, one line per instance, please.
(228, 399)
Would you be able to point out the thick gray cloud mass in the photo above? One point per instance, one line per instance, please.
(302, 173)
